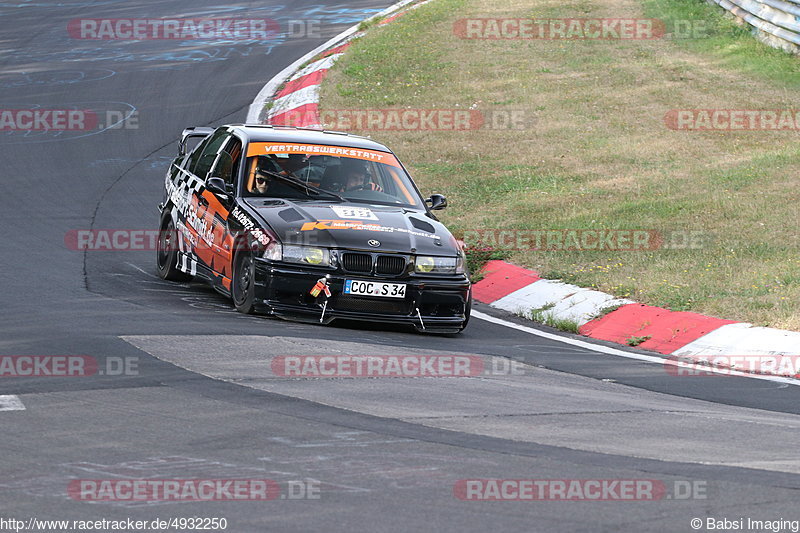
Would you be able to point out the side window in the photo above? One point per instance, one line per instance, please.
(190, 161)
(207, 154)
(192, 144)
(227, 161)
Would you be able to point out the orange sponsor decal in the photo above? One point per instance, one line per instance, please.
(361, 226)
(341, 224)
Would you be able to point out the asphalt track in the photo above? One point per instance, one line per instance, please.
(201, 404)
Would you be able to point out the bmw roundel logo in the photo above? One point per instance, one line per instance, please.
(374, 243)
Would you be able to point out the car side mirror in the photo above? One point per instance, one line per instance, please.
(437, 201)
(217, 186)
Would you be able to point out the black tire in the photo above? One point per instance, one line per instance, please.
(167, 253)
(467, 313)
(243, 286)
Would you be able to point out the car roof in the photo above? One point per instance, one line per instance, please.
(266, 133)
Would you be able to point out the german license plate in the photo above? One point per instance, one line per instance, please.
(375, 288)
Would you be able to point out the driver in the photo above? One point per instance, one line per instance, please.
(355, 177)
(261, 183)
(286, 166)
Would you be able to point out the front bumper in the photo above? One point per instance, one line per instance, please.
(431, 304)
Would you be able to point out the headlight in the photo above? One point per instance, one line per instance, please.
(307, 255)
(274, 251)
(427, 264)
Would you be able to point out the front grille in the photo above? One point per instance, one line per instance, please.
(357, 262)
(344, 302)
(391, 265)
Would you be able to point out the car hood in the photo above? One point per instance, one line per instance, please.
(355, 226)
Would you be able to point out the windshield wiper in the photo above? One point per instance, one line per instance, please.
(297, 182)
(378, 202)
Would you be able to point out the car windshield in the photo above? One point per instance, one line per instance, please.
(354, 174)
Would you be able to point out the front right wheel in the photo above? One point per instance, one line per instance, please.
(467, 312)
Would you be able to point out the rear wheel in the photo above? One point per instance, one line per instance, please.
(167, 253)
(243, 289)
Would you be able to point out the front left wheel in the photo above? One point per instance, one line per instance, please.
(243, 289)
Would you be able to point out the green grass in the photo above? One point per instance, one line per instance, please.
(722, 39)
(636, 341)
(608, 310)
(543, 315)
(478, 257)
(371, 71)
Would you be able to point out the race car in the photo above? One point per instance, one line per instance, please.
(310, 225)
